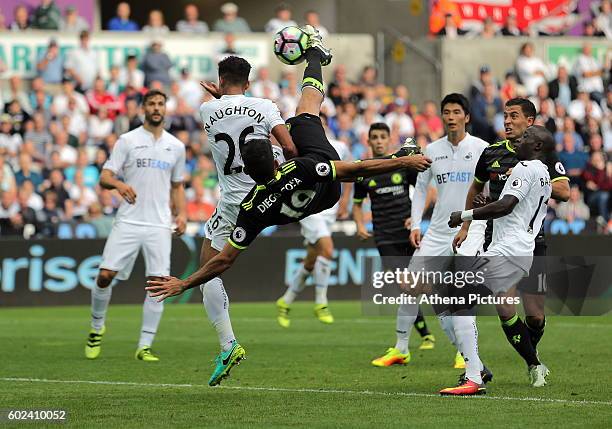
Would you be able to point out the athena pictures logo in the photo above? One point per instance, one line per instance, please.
(517, 183)
(323, 169)
(238, 235)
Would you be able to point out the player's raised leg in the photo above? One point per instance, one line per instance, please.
(312, 83)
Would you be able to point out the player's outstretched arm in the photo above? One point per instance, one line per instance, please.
(560, 190)
(350, 171)
(497, 209)
(170, 286)
(109, 181)
(281, 134)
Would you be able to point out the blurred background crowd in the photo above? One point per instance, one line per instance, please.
(57, 130)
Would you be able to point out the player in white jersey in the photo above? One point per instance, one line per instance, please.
(152, 164)
(316, 230)
(230, 121)
(454, 159)
(519, 214)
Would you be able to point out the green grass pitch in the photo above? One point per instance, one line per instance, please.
(309, 375)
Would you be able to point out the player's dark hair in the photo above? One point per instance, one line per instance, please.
(153, 93)
(527, 107)
(258, 160)
(379, 126)
(456, 98)
(542, 134)
(234, 70)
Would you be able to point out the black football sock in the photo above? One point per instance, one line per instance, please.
(420, 325)
(518, 336)
(536, 331)
(313, 76)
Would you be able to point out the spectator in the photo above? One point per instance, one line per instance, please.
(50, 64)
(67, 154)
(190, 90)
(487, 111)
(99, 98)
(10, 141)
(113, 84)
(281, 19)
(182, 119)
(7, 177)
(574, 161)
(156, 65)
(346, 133)
(545, 117)
(510, 88)
(583, 106)
(589, 73)
(34, 200)
(27, 215)
(588, 29)
(82, 64)
(131, 74)
(108, 203)
(21, 19)
(73, 22)
(82, 196)
(598, 182)
(542, 97)
(231, 22)
(489, 30)
(230, 46)
(16, 93)
(574, 211)
(26, 171)
(57, 184)
(18, 115)
(191, 24)
(264, 87)
(100, 126)
(450, 30)
(156, 25)
(9, 213)
(198, 208)
(47, 16)
(511, 28)
(51, 214)
(39, 136)
(290, 95)
(429, 117)
(568, 126)
(564, 88)
(39, 99)
(531, 70)
(60, 101)
(311, 17)
(128, 121)
(400, 119)
(603, 20)
(122, 21)
(102, 222)
(485, 77)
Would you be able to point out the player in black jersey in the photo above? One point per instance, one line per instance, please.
(494, 166)
(294, 190)
(390, 204)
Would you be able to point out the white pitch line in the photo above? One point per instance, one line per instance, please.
(291, 390)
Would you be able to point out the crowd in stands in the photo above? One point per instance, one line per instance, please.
(57, 131)
(446, 21)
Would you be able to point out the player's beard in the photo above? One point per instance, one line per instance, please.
(154, 122)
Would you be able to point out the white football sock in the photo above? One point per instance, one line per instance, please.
(216, 304)
(297, 285)
(320, 275)
(100, 298)
(446, 322)
(466, 333)
(406, 315)
(151, 315)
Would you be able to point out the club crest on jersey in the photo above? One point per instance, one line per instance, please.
(516, 183)
(468, 156)
(238, 235)
(559, 167)
(323, 169)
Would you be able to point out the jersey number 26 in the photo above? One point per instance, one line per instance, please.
(231, 146)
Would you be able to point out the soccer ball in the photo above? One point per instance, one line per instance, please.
(290, 45)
